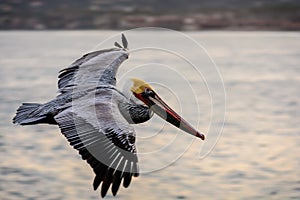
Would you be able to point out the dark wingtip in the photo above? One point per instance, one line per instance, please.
(97, 181)
(118, 45)
(116, 182)
(127, 180)
(124, 41)
(107, 182)
(104, 190)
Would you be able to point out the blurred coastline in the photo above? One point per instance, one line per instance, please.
(256, 157)
(128, 14)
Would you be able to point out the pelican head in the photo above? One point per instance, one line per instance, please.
(144, 92)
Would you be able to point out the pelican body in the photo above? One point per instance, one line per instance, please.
(96, 118)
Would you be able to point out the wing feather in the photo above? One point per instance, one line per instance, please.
(111, 158)
(92, 68)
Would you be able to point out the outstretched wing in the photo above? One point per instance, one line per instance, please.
(99, 67)
(105, 140)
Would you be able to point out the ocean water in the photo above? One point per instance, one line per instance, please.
(242, 89)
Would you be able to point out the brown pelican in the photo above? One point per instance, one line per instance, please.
(95, 117)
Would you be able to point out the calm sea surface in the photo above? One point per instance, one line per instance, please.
(254, 156)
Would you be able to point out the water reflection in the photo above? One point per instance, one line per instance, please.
(256, 158)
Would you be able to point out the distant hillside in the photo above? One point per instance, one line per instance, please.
(176, 14)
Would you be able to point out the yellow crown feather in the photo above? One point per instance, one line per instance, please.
(139, 86)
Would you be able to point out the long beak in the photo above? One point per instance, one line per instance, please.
(155, 103)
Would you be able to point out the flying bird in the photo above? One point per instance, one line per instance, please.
(96, 118)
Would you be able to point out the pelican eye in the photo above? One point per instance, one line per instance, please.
(149, 92)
